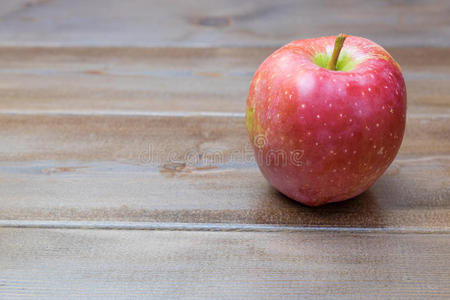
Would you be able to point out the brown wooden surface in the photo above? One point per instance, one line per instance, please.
(221, 22)
(164, 168)
(222, 265)
(130, 80)
(130, 115)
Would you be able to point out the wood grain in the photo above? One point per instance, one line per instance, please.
(130, 80)
(253, 265)
(220, 23)
(162, 168)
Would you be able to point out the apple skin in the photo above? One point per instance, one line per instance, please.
(322, 136)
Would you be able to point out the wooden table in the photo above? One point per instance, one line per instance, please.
(108, 110)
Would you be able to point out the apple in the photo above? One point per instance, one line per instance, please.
(326, 117)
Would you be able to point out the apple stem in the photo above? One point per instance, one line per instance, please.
(338, 44)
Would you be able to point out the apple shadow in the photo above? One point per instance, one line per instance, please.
(407, 194)
(360, 211)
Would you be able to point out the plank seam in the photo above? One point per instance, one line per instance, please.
(113, 113)
(216, 227)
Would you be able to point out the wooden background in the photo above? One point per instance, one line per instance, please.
(107, 112)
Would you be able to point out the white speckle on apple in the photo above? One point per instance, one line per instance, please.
(369, 89)
(347, 84)
(318, 116)
(303, 105)
(330, 105)
(378, 125)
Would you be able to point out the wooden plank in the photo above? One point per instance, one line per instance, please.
(411, 194)
(63, 167)
(229, 265)
(123, 138)
(174, 79)
(222, 22)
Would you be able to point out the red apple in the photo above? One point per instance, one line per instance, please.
(324, 132)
